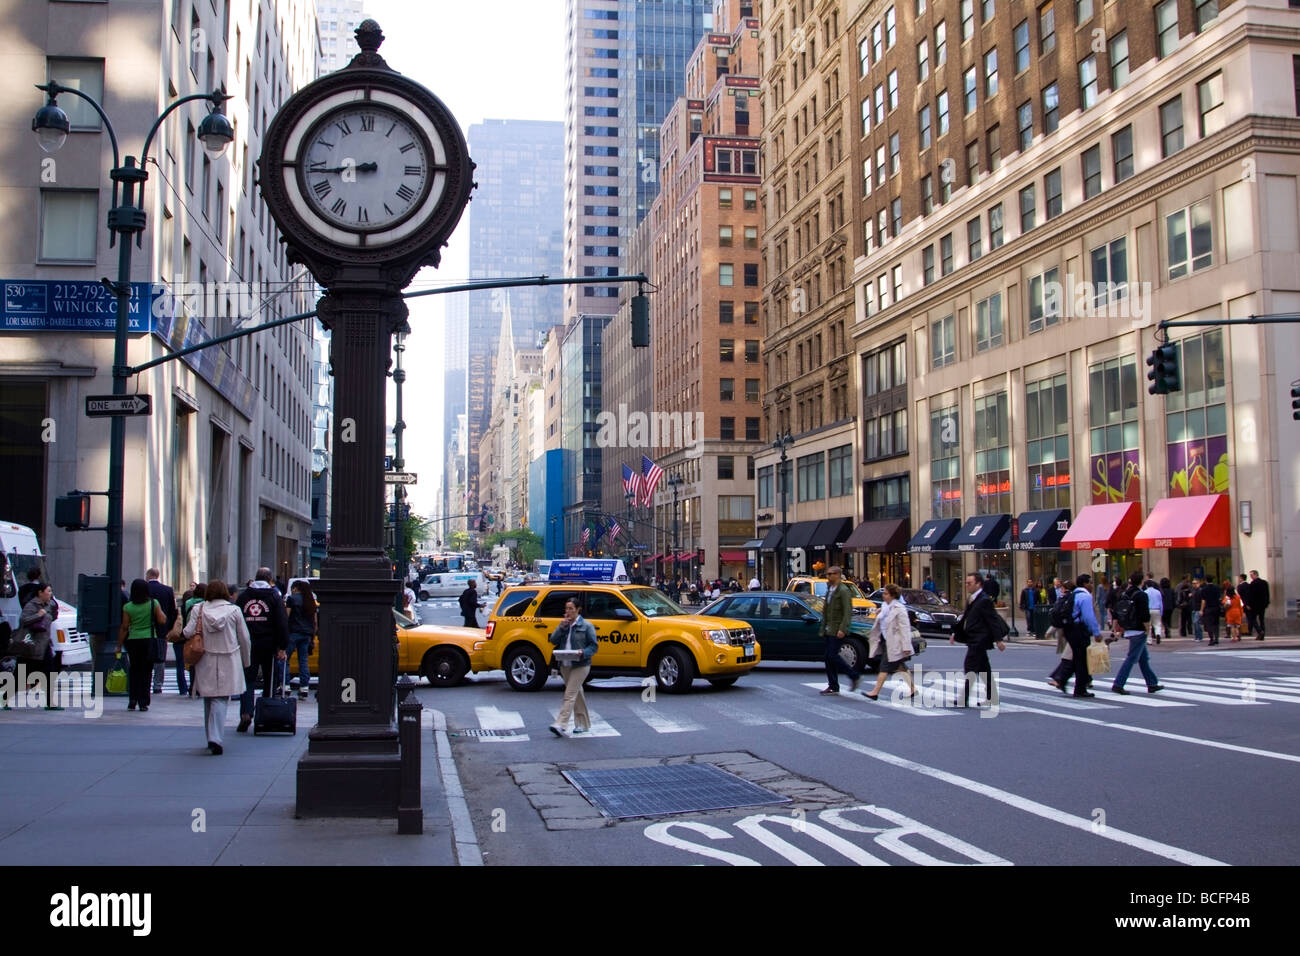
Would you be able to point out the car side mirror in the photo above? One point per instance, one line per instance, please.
(623, 614)
(811, 619)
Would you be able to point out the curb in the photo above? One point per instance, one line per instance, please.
(467, 848)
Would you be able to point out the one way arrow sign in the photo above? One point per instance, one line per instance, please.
(106, 406)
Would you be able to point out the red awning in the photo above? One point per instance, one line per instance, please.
(733, 556)
(1199, 521)
(686, 556)
(653, 557)
(1109, 527)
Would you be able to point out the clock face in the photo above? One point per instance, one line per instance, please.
(365, 168)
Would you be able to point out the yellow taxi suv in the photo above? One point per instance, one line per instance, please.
(817, 587)
(640, 632)
(439, 653)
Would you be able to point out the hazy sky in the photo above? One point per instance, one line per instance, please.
(489, 59)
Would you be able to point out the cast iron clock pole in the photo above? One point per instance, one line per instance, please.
(366, 173)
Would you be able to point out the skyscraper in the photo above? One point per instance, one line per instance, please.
(338, 20)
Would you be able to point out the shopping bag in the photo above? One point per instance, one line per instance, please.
(116, 681)
(1098, 659)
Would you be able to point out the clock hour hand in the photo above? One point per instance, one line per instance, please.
(358, 167)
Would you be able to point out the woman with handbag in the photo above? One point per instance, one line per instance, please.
(195, 597)
(217, 633)
(33, 634)
(138, 618)
(894, 630)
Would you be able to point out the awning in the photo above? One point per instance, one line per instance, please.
(935, 535)
(753, 545)
(831, 532)
(733, 556)
(1041, 530)
(1109, 527)
(686, 556)
(1200, 521)
(885, 537)
(653, 557)
(801, 533)
(772, 540)
(983, 533)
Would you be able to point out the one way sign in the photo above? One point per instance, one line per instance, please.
(106, 406)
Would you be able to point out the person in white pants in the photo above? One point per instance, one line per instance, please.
(1156, 601)
(574, 633)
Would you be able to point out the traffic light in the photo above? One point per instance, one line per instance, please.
(482, 521)
(1164, 376)
(72, 511)
(1295, 402)
(640, 322)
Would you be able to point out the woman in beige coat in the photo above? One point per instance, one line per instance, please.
(894, 627)
(219, 674)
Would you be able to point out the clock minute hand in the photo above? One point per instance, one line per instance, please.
(358, 167)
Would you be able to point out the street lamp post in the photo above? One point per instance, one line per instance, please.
(399, 464)
(674, 482)
(781, 443)
(126, 221)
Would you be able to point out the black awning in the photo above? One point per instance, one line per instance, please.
(983, 533)
(1040, 530)
(772, 540)
(755, 544)
(831, 533)
(935, 535)
(883, 537)
(801, 533)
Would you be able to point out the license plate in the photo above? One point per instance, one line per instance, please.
(946, 627)
(749, 650)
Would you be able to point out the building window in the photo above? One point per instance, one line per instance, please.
(1171, 126)
(726, 350)
(724, 198)
(1047, 445)
(811, 471)
(988, 323)
(765, 495)
(943, 111)
(751, 390)
(1025, 125)
(750, 198)
(927, 264)
(891, 87)
(893, 155)
(896, 217)
(889, 498)
(994, 138)
(995, 227)
(866, 176)
(727, 428)
(86, 76)
(751, 428)
(724, 236)
(923, 123)
(968, 91)
(1121, 148)
(1113, 463)
(897, 275)
(1207, 11)
(751, 237)
(1091, 172)
(1118, 48)
(943, 342)
(973, 247)
(751, 351)
(726, 274)
(885, 435)
(751, 313)
(940, 44)
(840, 461)
(1166, 27)
(726, 312)
(1052, 193)
(923, 60)
(1190, 239)
(992, 455)
(1044, 300)
(1027, 208)
(1020, 38)
(1046, 29)
(991, 72)
(864, 55)
(1196, 419)
(945, 254)
(945, 462)
(751, 274)
(1088, 83)
(967, 19)
(1051, 109)
(1209, 102)
(879, 96)
(69, 225)
(866, 116)
(1082, 11)
(882, 171)
(972, 163)
(726, 389)
(891, 27)
(927, 194)
(1110, 271)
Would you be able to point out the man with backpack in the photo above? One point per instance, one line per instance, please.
(1073, 615)
(1132, 614)
(268, 629)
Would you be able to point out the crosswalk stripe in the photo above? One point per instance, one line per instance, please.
(490, 718)
(1239, 689)
(1288, 657)
(1170, 691)
(905, 706)
(599, 726)
(660, 722)
(741, 715)
(1056, 697)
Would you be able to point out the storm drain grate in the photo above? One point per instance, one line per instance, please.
(477, 732)
(673, 788)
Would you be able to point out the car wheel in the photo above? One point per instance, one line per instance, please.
(423, 595)
(674, 671)
(525, 668)
(852, 653)
(723, 681)
(443, 667)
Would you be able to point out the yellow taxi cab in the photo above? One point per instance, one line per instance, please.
(442, 654)
(641, 632)
(863, 606)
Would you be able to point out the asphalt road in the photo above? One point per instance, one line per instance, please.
(1204, 772)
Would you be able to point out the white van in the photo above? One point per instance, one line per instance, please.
(450, 584)
(20, 551)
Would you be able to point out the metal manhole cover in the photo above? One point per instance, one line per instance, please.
(672, 788)
(484, 733)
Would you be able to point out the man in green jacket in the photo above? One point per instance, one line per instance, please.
(837, 618)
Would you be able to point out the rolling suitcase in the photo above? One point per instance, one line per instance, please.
(275, 715)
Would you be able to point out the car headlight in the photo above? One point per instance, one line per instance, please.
(718, 637)
(922, 616)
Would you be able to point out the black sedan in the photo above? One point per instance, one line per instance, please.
(929, 615)
(789, 626)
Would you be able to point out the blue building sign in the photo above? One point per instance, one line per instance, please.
(39, 305)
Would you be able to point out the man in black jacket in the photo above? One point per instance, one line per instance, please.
(1259, 598)
(977, 629)
(268, 631)
(469, 603)
(166, 599)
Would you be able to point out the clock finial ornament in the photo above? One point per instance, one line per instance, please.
(369, 37)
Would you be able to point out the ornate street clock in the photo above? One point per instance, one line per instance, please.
(365, 168)
(366, 173)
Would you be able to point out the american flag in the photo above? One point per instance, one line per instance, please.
(586, 535)
(651, 475)
(631, 482)
(614, 528)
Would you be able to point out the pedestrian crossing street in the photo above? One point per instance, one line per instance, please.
(936, 697)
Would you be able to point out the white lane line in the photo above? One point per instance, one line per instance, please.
(490, 718)
(1059, 699)
(462, 826)
(909, 707)
(662, 723)
(1257, 689)
(1086, 824)
(1288, 657)
(599, 726)
(1252, 751)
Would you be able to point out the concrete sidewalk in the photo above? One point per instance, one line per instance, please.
(131, 788)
